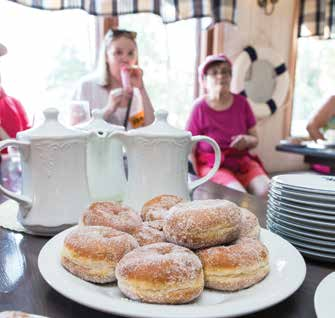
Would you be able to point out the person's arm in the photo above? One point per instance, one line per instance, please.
(24, 121)
(249, 140)
(252, 138)
(147, 107)
(322, 117)
(245, 142)
(3, 134)
(136, 78)
(193, 125)
(115, 100)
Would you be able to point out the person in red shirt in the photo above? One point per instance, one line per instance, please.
(13, 117)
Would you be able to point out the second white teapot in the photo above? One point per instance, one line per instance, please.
(158, 161)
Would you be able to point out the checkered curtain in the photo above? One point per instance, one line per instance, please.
(169, 10)
(317, 18)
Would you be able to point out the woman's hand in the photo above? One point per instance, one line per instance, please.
(321, 118)
(136, 76)
(116, 98)
(136, 80)
(314, 132)
(243, 142)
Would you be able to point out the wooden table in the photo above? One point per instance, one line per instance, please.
(324, 156)
(23, 288)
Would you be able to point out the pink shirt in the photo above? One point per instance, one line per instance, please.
(220, 125)
(13, 117)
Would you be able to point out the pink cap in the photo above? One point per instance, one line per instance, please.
(210, 59)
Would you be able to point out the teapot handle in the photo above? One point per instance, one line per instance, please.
(211, 173)
(21, 199)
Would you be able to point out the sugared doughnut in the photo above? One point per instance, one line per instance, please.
(235, 267)
(92, 252)
(203, 223)
(112, 214)
(158, 224)
(147, 235)
(249, 224)
(157, 208)
(161, 273)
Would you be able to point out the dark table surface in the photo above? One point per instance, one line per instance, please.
(23, 288)
(325, 156)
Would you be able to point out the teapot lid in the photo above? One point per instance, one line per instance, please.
(160, 127)
(50, 128)
(98, 124)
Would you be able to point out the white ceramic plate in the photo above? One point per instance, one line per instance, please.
(321, 233)
(290, 229)
(301, 220)
(280, 231)
(303, 202)
(308, 246)
(326, 143)
(313, 145)
(302, 208)
(319, 144)
(320, 256)
(301, 213)
(287, 273)
(317, 255)
(327, 231)
(307, 182)
(288, 192)
(324, 297)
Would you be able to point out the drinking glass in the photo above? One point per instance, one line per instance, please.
(78, 112)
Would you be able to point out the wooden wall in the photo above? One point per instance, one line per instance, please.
(275, 31)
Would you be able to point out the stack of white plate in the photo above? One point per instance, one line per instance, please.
(301, 209)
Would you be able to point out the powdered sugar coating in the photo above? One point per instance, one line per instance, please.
(246, 252)
(249, 224)
(157, 208)
(236, 266)
(112, 214)
(100, 242)
(158, 224)
(147, 235)
(92, 252)
(159, 273)
(203, 223)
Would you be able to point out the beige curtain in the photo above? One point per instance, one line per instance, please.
(317, 18)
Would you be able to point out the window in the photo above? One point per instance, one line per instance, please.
(48, 51)
(314, 80)
(167, 54)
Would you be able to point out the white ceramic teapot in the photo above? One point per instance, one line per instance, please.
(54, 181)
(105, 167)
(158, 161)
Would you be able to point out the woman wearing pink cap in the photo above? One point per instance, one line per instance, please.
(229, 120)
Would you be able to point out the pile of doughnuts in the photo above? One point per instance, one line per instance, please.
(172, 252)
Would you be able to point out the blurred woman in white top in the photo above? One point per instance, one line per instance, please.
(104, 89)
